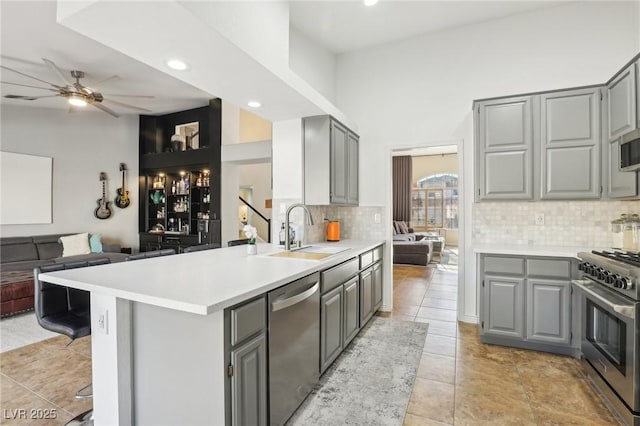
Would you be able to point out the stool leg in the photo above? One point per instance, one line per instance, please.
(84, 419)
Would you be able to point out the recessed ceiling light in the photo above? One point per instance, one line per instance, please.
(254, 104)
(370, 2)
(76, 100)
(176, 64)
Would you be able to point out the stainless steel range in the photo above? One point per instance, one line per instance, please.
(610, 303)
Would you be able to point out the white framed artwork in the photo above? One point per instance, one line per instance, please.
(25, 189)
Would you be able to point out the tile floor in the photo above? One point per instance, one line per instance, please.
(460, 381)
(464, 382)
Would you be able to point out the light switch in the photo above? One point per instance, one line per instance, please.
(539, 219)
(103, 322)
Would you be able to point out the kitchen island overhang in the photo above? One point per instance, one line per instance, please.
(158, 328)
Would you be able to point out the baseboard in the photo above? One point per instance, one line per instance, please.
(471, 319)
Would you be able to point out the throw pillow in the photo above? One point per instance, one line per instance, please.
(74, 245)
(396, 226)
(404, 229)
(95, 243)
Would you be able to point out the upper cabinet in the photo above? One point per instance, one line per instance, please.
(331, 154)
(622, 103)
(504, 145)
(570, 144)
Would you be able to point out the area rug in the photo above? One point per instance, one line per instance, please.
(370, 383)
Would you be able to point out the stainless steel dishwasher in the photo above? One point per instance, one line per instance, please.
(294, 345)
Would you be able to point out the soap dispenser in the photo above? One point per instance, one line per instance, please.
(282, 235)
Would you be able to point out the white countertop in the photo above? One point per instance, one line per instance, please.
(201, 282)
(530, 250)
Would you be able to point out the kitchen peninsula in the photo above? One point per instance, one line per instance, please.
(163, 330)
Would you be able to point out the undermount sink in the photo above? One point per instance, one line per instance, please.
(320, 249)
(310, 252)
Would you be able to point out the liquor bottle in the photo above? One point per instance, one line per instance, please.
(173, 188)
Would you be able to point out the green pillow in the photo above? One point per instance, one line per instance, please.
(95, 243)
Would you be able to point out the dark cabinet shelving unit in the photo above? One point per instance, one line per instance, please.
(180, 181)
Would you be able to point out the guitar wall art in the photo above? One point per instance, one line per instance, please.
(103, 211)
(122, 199)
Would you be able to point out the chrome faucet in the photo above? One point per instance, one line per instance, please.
(287, 240)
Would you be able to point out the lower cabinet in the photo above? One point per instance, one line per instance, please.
(249, 383)
(246, 357)
(377, 286)
(548, 308)
(351, 310)
(503, 306)
(366, 295)
(331, 326)
(526, 301)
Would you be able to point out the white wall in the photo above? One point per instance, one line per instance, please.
(421, 89)
(313, 63)
(82, 145)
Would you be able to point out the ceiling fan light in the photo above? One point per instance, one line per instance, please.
(77, 101)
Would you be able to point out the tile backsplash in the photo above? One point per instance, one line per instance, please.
(566, 223)
(355, 222)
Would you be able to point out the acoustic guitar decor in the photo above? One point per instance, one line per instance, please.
(103, 211)
(122, 199)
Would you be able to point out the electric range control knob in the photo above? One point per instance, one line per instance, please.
(582, 265)
(594, 271)
(611, 278)
(602, 274)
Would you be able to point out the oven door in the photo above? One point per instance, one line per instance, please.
(609, 338)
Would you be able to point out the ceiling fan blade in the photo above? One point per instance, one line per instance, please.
(102, 82)
(58, 72)
(122, 104)
(105, 109)
(30, 76)
(26, 85)
(29, 98)
(112, 95)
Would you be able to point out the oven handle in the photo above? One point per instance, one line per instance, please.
(624, 310)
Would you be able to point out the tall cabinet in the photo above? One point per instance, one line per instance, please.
(180, 178)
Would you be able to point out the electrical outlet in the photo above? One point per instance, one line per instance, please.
(376, 218)
(103, 322)
(539, 219)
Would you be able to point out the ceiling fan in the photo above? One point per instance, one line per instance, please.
(77, 94)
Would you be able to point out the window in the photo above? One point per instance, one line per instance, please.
(435, 203)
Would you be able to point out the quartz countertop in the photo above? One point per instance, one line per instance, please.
(530, 250)
(202, 282)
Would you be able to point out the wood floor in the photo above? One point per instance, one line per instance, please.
(464, 382)
(460, 381)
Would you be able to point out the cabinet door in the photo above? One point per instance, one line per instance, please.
(377, 286)
(339, 164)
(548, 311)
(352, 181)
(366, 296)
(503, 306)
(249, 383)
(621, 104)
(504, 146)
(351, 310)
(570, 144)
(621, 184)
(330, 327)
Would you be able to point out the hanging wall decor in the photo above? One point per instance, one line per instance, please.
(103, 211)
(122, 199)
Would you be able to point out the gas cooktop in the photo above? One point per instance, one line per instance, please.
(618, 270)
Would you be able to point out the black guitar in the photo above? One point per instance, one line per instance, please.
(103, 211)
(122, 199)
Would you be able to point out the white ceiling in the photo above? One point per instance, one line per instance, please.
(340, 26)
(343, 26)
(27, 37)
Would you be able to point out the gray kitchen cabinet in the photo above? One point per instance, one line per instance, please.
(570, 144)
(548, 311)
(246, 349)
(331, 327)
(331, 158)
(249, 383)
(351, 310)
(525, 301)
(504, 142)
(377, 286)
(503, 306)
(366, 296)
(622, 103)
